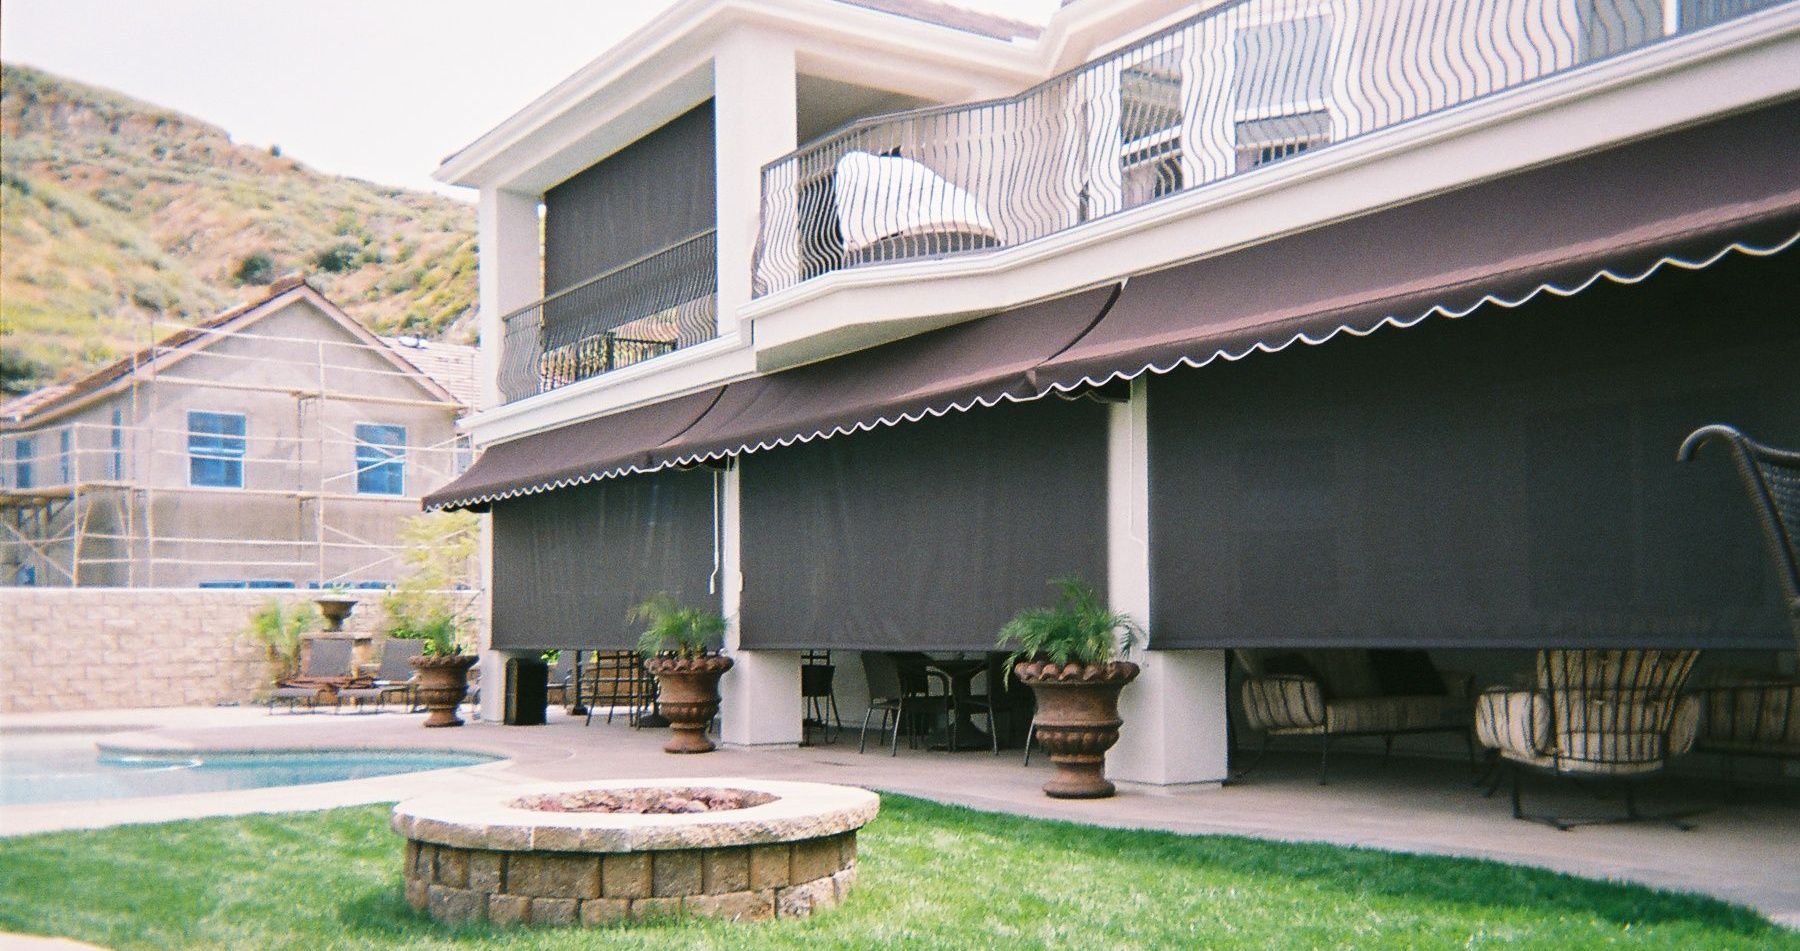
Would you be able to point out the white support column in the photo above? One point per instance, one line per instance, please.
(760, 696)
(511, 275)
(754, 114)
(1175, 726)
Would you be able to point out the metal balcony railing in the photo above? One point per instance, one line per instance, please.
(657, 304)
(1240, 86)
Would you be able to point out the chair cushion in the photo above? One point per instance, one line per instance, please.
(1291, 664)
(1392, 714)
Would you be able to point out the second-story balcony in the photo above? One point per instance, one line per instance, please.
(1238, 87)
(654, 305)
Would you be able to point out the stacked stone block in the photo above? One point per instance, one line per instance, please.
(741, 882)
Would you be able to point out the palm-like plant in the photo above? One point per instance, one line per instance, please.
(280, 627)
(675, 629)
(1079, 628)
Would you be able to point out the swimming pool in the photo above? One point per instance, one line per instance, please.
(67, 767)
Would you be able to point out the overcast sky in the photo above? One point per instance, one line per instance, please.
(378, 89)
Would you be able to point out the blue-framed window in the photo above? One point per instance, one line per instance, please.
(247, 584)
(118, 445)
(24, 451)
(380, 459)
(65, 455)
(26, 576)
(216, 444)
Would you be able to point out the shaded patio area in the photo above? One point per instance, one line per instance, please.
(1745, 847)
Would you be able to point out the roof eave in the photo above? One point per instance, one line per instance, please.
(686, 28)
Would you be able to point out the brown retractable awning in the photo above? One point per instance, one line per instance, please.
(981, 362)
(1682, 199)
(572, 455)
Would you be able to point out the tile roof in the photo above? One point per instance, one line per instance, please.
(452, 365)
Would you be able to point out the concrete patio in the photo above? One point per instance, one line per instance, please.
(1745, 847)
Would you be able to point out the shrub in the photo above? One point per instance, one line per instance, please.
(255, 268)
(339, 258)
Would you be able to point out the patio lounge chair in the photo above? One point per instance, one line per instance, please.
(1336, 693)
(326, 671)
(393, 678)
(1609, 715)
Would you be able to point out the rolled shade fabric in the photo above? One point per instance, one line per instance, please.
(1685, 197)
(979, 363)
(647, 196)
(1503, 481)
(570, 564)
(571, 455)
(924, 537)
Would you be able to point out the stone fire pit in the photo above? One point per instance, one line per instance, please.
(594, 853)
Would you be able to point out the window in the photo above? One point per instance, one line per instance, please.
(380, 459)
(262, 584)
(118, 446)
(1282, 82)
(216, 449)
(65, 455)
(23, 452)
(1150, 126)
(26, 576)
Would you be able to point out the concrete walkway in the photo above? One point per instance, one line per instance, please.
(1745, 849)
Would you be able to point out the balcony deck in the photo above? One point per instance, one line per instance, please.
(1242, 86)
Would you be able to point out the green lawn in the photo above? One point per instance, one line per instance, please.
(931, 876)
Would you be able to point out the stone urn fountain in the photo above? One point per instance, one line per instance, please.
(1077, 721)
(688, 694)
(335, 611)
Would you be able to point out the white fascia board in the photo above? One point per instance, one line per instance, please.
(1676, 83)
(684, 35)
(685, 371)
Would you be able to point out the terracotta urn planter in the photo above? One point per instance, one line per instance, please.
(1077, 721)
(334, 611)
(688, 693)
(443, 683)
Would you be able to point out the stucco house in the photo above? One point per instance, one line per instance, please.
(1289, 323)
(276, 445)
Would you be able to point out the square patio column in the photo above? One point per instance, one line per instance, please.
(1175, 712)
(511, 275)
(755, 114)
(760, 702)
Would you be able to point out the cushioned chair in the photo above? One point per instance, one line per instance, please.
(1749, 714)
(1337, 693)
(1614, 715)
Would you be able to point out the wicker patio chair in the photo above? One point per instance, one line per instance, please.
(1617, 716)
(1771, 478)
(900, 687)
(1758, 714)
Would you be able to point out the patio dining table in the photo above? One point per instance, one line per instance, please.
(961, 672)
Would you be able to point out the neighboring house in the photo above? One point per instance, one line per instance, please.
(1290, 323)
(277, 445)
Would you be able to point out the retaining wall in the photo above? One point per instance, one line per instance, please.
(103, 648)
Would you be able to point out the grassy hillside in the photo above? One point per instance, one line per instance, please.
(115, 213)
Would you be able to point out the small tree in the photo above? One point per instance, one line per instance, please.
(279, 627)
(255, 268)
(431, 603)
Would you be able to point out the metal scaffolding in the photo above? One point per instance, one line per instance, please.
(80, 501)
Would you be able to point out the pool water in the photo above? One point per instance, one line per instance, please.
(67, 767)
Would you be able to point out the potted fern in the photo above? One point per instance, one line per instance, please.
(1067, 654)
(681, 649)
(442, 664)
